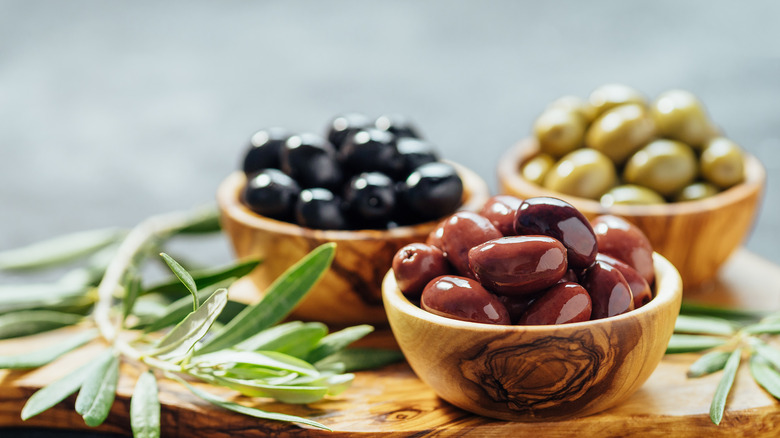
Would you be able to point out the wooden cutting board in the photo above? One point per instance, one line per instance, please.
(393, 402)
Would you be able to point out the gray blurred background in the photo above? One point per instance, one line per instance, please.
(114, 111)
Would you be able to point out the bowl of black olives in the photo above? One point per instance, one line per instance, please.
(528, 311)
(662, 164)
(370, 185)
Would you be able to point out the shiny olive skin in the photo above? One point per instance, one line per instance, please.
(320, 209)
(722, 163)
(679, 115)
(630, 194)
(415, 153)
(608, 96)
(559, 131)
(432, 191)
(342, 126)
(398, 125)
(640, 290)
(370, 199)
(576, 105)
(570, 277)
(619, 132)
(517, 304)
(609, 292)
(434, 237)
(586, 173)
(622, 240)
(562, 221)
(535, 169)
(415, 265)
(665, 166)
(265, 149)
(500, 210)
(696, 191)
(518, 265)
(464, 299)
(371, 150)
(561, 304)
(463, 231)
(271, 193)
(311, 161)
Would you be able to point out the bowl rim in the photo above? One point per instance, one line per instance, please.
(509, 176)
(476, 193)
(668, 292)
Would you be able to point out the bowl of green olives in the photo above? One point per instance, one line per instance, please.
(370, 185)
(662, 164)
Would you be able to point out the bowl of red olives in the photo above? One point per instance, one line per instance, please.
(370, 185)
(662, 164)
(528, 311)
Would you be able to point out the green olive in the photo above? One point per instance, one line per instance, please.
(586, 173)
(619, 132)
(630, 194)
(576, 105)
(679, 115)
(559, 131)
(722, 163)
(537, 167)
(609, 96)
(696, 191)
(665, 166)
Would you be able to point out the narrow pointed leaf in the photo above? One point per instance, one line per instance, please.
(703, 324)
(359, 359)
(265, 359)
(771, 328)
(180, 308)
(205, 278)
(132, 291)
(338, 341)
(688, 308)
(43, 356)
(718, 405)
(280, 299)
(58, 250)
(30, 322)
(205, 220)
(98, 392)
(282, 393)
(766, 351)
(34, 296)
(184, 277)
(692, 343)
(766, 375)
(145, 407)
(292, 338)
(709, 363)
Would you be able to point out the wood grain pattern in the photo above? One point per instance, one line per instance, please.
(350, 292)
(697, 237)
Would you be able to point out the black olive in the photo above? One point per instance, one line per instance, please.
(344, 125)
(311, 161)
(321, 209)
(371, 150)
(271, 193)
(265, 149)
(415, 153)
(432, 191)
(370, 199)
(398, 125)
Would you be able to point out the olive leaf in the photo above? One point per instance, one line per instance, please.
(358, 359)
(184, 277)
(689, 308)
(282, 393)
(30, 322)
(35, 296)
(294, 338)
(766, 375)
(180, 308)
(132, 291)
(58, 250)
(204, 278)
(338, 341)
(709, 363)
(145, 407)
(263, 359)
(692, 343)
(704, 325)
(98, 391)
(764, 327)
(41, 357)
(204, 220)
(718, 405)
(766, 351)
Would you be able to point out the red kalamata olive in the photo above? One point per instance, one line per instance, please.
(624, 241)
(500, 211)
(569, 277)
(640, 290)
(609, 292)
(516, 305)
(463, 231)
(518, 265)
(415, 265)
(434, 237)
(560, 220)
(463, 298)
(561, 304)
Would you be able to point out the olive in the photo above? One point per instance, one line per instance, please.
(576, 105)
(319, 208)
(271, 193)
(624, 241)
(665, 166)
(415, 153)
(398, 125)
(630, 194)
(311, 161)
(463, 231)
(696, 191)
(619, 132)
(518, 265)
(434, 237)
(586, 173)
(517, 304)
(609, 96)
(722, 163)
(679, 115)
(432, 191)
(500, 211)
(371, 150)
(640, 290)
(609, 292)
(343, 126)
(561, 221)
(569, 277)
(561, 304)
(464, 299)
(415, 265)
(559, 131)
(265, 150)
(535, 169)
(370, 199)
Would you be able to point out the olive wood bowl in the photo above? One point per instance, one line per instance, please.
(350, 291)
(696, 236)
(537, 373)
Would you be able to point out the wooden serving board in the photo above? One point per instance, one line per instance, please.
(393, 402)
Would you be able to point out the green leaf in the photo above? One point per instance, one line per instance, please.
(704, 325)
(145, 407)
(58, 250)
(709, 363)
(205, 278)
(338, 341)
(293, 338)
(718, 405)
(284, 394)
(33, 296)
(184, 277)
(772, 328)
(30, 322)
(265, 359)
(187, 333)
(692, 343)
(57, 391)
(280, 299)
(98, 391)
(205, 220)
(132, 291)
(688, 308)
(358, 359)
(766, 351)
(180, 308)
(43, 356)
(257, 413)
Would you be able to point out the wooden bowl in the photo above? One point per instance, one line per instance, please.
(350, 291)
(697, 236)
(537, 373)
